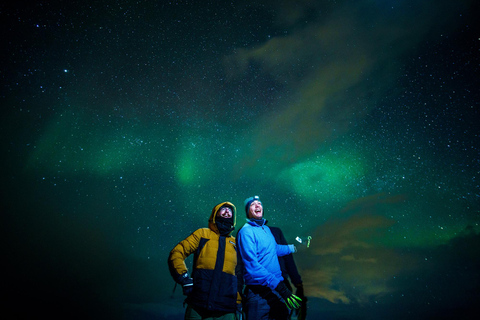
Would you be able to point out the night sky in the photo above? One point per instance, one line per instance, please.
(356, 122)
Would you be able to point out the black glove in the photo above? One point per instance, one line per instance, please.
(299, 292)
(291, 300)
(187, 284)
(302, 311)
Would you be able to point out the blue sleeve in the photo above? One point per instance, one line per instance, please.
(253, 269)
(281, 242)
(283, 250)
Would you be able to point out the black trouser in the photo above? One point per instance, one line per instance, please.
(262, 303)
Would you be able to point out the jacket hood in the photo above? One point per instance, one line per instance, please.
(211, 221)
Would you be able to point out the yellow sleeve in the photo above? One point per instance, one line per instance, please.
(176, 259)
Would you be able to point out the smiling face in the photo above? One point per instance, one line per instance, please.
(225, 212)
(256, 210)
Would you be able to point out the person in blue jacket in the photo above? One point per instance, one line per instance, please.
(266, 295)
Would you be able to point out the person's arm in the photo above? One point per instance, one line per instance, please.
(284, 249)
(176, 261)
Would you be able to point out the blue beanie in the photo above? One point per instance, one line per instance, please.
(249, 201)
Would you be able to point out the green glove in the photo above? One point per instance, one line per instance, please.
(291, 300)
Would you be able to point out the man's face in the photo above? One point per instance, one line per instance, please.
(256, 210)
(225, 212)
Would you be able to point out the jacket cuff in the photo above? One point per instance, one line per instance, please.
(182, 278)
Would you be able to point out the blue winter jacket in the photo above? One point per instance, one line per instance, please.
(259, 253)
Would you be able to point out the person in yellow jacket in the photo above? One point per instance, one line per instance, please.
(212, 288)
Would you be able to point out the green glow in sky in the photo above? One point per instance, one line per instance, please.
(187, 170)
(329, 177)
(193, 165)
(73, 142)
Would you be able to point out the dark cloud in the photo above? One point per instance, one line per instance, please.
(347, 251)
(351, 263)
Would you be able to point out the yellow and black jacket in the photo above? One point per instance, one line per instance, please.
(215, 259)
